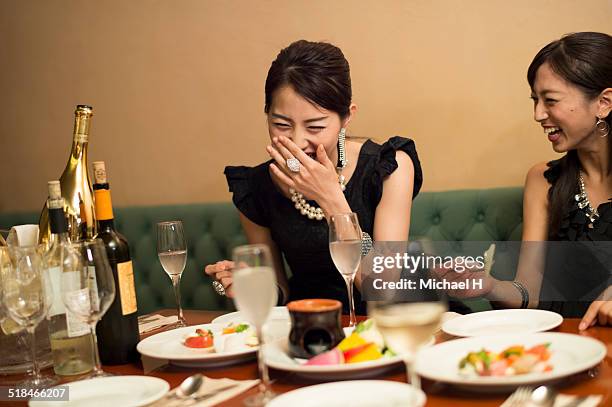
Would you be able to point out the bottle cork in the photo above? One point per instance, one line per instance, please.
(99, 170)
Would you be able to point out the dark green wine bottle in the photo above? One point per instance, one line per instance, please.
(117, 331)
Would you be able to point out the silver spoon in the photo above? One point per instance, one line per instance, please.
(543, 396)
(189, 386)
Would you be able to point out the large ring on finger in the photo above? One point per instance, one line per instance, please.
(219, 289)
(293, 164)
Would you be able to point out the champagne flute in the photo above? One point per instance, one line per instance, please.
(345, 249)
(172, 252)
(27, 298)
(88, 289)
(255, 294)
(408, 324)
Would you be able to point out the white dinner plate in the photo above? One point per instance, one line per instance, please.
(507, 321)
(169, 345)
(277, 357)
(355, 393)
(277, 314)
(128, 391)
(570, 354)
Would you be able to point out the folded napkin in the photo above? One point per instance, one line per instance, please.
(23, 235)
(212, 392)
(148, 323)
(568, 400)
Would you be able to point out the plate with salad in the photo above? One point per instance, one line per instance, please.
(509, 360)
(360, 354)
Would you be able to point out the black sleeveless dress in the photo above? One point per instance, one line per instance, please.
(304, 242)
(579, 258)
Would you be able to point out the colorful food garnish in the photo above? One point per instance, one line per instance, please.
(363, 345)
(514, 360)
(203, 339)
(331, 357)
(235, 328)
(239, 337)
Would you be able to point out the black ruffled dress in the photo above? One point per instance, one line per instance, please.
(304, 242)
(579, 257)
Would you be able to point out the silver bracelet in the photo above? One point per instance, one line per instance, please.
(366, 244)
(524, 294)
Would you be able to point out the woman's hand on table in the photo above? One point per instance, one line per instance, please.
(599, 312)
(222, 272)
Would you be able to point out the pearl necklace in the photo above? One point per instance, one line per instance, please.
(583, 200)
(306, 209)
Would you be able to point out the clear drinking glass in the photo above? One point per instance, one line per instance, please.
(88, 289)
(408, 324)
(8, 326)
(255, 293)
(172, 252)
(345, 249)
(27, 296)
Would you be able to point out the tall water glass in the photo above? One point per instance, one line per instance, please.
(27, 296)
(172, 252)
(88, 289)
(345, 250)
(255, 293)
(409, 324)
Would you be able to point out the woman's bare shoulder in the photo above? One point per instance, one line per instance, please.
(536, 185)
(535, 176)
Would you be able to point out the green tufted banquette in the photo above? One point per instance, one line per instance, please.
(213, 229)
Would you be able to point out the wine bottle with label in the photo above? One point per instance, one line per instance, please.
(71, 341)
(118, 329)
(76, 185)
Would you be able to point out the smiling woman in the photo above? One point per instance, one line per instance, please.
(571, 82)
(567, 199)
(316, 171)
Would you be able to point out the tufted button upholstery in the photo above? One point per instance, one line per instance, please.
(213, 230)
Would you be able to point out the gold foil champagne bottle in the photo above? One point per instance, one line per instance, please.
(76, 185)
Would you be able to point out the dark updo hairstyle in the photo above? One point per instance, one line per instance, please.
(317, 71)
(583, 59)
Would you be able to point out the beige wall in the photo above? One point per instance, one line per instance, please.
(177, 86)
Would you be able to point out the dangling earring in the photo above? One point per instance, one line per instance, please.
(342, 162)
(603, 127)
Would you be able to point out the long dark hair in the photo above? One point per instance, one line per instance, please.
(316, 71)
(583, 59)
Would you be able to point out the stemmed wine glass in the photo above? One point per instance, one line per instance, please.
(172, 252)
(27, 298)
(255, 294)
(88, 289)
(8, 326)
(409, 322)
(345, 249)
